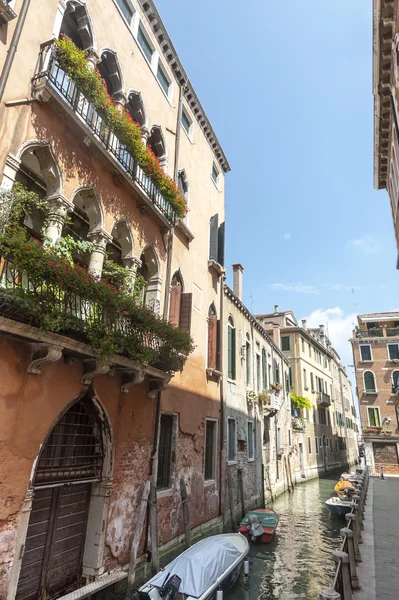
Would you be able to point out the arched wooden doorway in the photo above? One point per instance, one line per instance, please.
(70, 461)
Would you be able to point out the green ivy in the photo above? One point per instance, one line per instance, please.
(300, 402)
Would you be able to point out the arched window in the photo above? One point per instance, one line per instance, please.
(157, 144)
(149, 270)
(231, 349)
(248, 360)
(85, 219)
(77, 26)
(135, 106)
(175, 299)
(212, 338)
(395, 381)
(30, 175)
(369, 382)
(264, 370)
(110, 72)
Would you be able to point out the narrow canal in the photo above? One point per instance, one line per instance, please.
(297, 564)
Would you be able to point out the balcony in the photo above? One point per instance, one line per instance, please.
(6, 12)
(49, 297)
(323, 400)
(377, 433)
(367, 333)
(392, 331)
(51, 83)
(298, 424)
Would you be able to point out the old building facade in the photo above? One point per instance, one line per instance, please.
(375, 345)
(257, 409)
(322, 440)
(116, 421)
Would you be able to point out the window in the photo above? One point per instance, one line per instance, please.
(163, 79)
(393, 351)
(231, 349)
(145, 44)
(395, 381)
(285, 343)
(309, 446)
(289, 438)
(303, 344)
(374, 417)
(322, 416)
(320, 445)
(317, 446)
(325, 361)
(365, 353)
(210, 449)
(310, 350)
(186, 122)
(290, 377)
(165, 451)
(369, 382)
(258, 369)
(264, 372)
(231, 440)
(216, 240)
(276, 372)
(125, 9)
(312, 382)
(305, 382)
(215, 173)
(248, 361)
(250, 447)
(212, 338)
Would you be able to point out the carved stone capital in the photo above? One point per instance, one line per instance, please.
(43, 354)
(132, 263)
(131, 378)
(59, 207)
(100, 237)
(92, 368)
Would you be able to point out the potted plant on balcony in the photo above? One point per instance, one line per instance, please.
(275, 387)
(264, 398)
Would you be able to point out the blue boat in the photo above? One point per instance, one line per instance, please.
(339, 507)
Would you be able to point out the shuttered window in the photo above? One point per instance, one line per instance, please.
(212, 337)
(374, 417)
(231, 349)
(186, 303)
(175, 300)
(264, 370)
(369, 381)
(216, 240)
(165, 451)
(210, 449)
(250, 446)
(231, 440)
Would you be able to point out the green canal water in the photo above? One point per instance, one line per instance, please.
(297, 564)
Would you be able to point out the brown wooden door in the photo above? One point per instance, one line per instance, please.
(385, 453)
(52, 559)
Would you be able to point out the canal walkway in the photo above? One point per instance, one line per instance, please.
(379, 570)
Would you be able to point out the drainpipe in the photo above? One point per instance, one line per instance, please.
(154, 453)
(222, 396)
(172, 229)
(13, 47)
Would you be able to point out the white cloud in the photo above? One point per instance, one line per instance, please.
(365, 245)
(300, 288)
(287, 236)
(341, 287)
(339, 328)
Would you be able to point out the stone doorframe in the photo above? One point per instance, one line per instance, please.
(98, 508)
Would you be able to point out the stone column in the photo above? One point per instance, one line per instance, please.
(163, 161)
(145, 134)
(59, 208)
(100, 238)
(92, 59)
(132, 265)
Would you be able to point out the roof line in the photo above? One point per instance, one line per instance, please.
(170, 54)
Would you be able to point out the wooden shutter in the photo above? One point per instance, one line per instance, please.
(218, 356)
(175, 301)
(221, 244)
(212, 341)
(231, 348)
(213, 238)
(186, 303)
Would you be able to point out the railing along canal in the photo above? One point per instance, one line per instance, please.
(346, 579)
(49, 70)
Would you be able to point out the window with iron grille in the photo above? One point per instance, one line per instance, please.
(73, 451)
(210, 449)
(231, 439)
(165, 451)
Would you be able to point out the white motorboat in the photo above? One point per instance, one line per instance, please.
(198, 573)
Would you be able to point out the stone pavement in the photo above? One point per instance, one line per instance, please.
(379, 570)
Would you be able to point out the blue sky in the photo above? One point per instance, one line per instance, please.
(288, 89)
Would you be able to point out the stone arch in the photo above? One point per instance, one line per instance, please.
(122, 236)
(85, 199)
(42, 159)
(136, 107)
(111, 72)
(151, 272)
(77, 25)
(56, 474)
(156, 142)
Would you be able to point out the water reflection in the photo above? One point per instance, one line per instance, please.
(297, 564)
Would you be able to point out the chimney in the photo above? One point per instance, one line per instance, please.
(322, 335)
(237, 280)
(276, 308)
(303, 323)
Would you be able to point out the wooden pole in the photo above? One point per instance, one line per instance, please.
(230, 485)
(270, 484)
(136, 541)
(154, 525)
(186, 512)
(241, 486)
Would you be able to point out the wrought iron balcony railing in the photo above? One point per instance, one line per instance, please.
(366, 333)
(323, 400)
(50, 74)
(25, 299)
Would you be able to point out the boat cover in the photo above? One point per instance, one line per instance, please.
(200, 566)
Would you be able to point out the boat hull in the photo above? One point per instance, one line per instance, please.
(337, 507)
(266, 516)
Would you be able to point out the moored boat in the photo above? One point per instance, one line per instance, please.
(337, 506)
(212, 563)
(259, 525)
